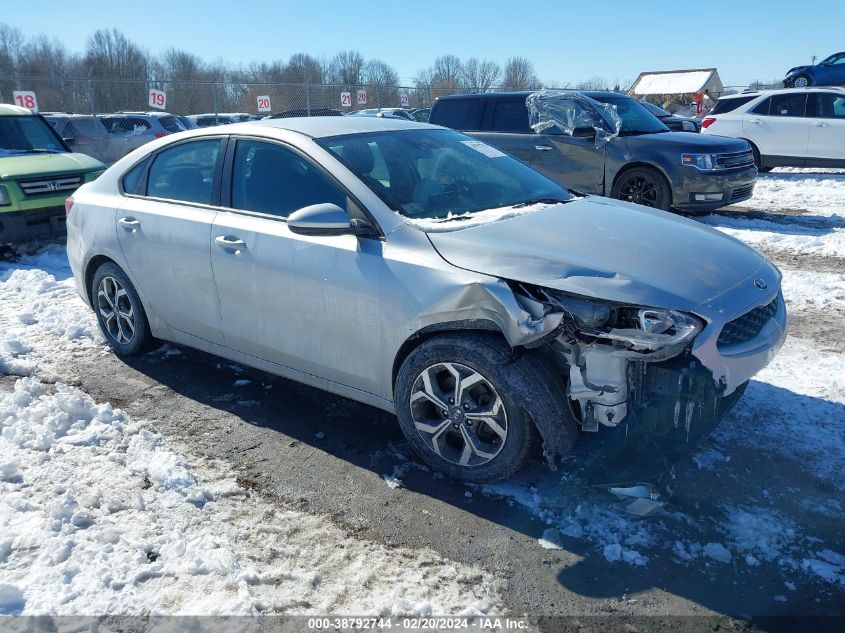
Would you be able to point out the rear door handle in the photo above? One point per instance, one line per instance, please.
(543, 148)
(820, 124)
(230, 243)
(756, 121)
(129, 223)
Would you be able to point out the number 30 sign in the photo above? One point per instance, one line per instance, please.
(158, 99)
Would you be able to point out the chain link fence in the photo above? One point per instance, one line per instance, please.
(104, 96)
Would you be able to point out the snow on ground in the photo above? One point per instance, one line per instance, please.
(790, 188)
(822, 291)
(783, 236)
(100, 515)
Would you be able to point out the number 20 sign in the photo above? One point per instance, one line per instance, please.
(26, 99)
(158, 99)
(263, 103)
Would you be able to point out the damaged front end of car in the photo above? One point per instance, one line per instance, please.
(630, 367)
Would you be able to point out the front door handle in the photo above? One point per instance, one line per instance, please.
(543, 148)
(755, 121)
(820, 124)
(230, 243)
(129, 223)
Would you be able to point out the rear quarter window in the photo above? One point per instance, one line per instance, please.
(729, 105)
(458, 114)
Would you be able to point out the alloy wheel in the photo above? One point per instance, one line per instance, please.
(459, 414)
(639, 190)
(116, 310)
(800, 82)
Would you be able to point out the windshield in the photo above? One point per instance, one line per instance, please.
(27, 135)
(439, 174)
(635, 118)
(655, 110)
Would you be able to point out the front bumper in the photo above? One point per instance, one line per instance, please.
(734, 186)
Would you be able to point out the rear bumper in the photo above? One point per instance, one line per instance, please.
(730, 188)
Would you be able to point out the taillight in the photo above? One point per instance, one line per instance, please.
(708, 121)
(160, 134)
(68, 205)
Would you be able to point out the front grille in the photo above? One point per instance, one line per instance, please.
(741, 193)
(736, 160)
(47, 186)
(746, 327)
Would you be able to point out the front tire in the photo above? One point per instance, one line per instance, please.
(645, 186)
(758, 160)
(458, 403)
(801, 81)
(120, 314)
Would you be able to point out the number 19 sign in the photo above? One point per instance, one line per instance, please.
(158, 99)
(26, 99)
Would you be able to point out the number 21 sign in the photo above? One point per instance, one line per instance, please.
(346, 99)
(158, 99)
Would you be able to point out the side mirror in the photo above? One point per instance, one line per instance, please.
(326, 219)
(584, 131)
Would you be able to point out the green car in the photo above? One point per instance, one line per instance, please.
(37, 174)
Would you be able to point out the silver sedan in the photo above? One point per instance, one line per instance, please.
(426, 273)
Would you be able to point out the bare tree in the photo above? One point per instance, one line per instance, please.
(111, 54)
(480, 75)
(11, 45)
(519, 74)
(346, 68)
(422, 86)
(447, 70)
(593, 83)
(304, 69)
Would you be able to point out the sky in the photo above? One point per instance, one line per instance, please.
(746, 40)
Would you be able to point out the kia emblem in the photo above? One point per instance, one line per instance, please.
(762, 285)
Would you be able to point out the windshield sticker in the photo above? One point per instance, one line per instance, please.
(484, 148)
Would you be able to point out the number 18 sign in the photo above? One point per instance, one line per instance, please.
(26, 99)
(158, 99)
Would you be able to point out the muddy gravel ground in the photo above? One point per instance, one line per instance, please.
(751, 528)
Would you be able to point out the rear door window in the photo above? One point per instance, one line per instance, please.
(511, 116)
(459, 114)
(185, 172)
(791, 105)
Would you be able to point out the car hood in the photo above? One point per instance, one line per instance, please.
(796, 69)
(689, 142)
(605, 249)
(25, 165)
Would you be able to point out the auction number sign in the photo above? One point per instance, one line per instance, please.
(346, 99)
(361, 97)
(158, 99)
(263, 103)
(403, 100)
(26, 99)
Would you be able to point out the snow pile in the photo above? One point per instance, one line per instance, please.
(99, 515)
(817, 290)
(790, 189)
(40, 310)
(785, 236)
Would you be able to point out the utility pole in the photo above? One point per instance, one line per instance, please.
(814, 60)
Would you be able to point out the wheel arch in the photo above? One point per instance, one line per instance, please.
(483, 327)
(91, 269)
(648, 165)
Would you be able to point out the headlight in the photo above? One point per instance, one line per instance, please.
(640, 327)
(689, 126)
(700, 161)
(4, 196)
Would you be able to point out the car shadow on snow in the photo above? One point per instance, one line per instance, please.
(296, 438)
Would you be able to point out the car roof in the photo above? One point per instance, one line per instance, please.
(776, 91)
(7, 109)
(524, 93)
(325, 126)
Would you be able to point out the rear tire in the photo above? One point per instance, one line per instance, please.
(645, 186)
(454, 436)
(120, 314)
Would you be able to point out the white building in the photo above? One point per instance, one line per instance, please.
(684, 92)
